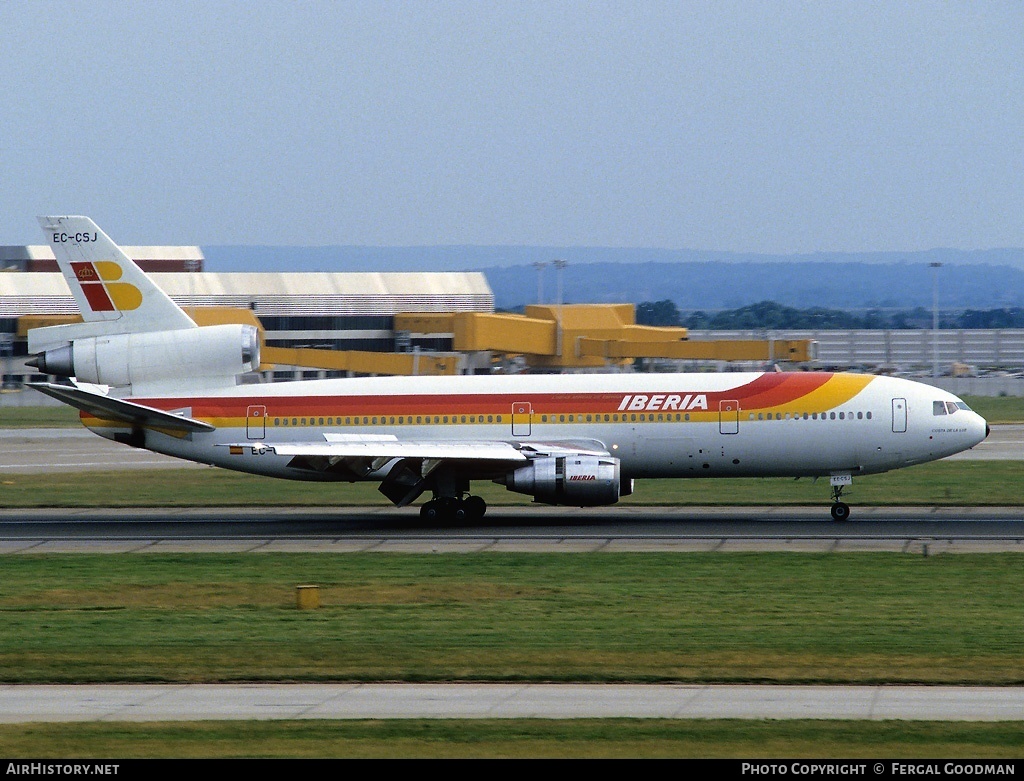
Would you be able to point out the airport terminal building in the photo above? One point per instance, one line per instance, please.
(301, 310)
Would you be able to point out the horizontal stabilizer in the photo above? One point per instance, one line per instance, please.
(109, 408)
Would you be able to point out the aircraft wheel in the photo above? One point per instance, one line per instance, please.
(430, 511)
(448, 509)
(840, 511)
(475, 507)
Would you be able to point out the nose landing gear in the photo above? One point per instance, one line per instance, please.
(840, 509)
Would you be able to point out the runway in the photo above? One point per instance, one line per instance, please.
(197, 702)
(915, 530)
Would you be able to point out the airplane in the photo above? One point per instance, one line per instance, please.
(143, 373)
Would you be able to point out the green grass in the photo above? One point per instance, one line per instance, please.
(524, 738)
(951, 483)
(702, 618)
(998, 409)
(727, 618)
(38, 417)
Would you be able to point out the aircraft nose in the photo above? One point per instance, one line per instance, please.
(981, 432)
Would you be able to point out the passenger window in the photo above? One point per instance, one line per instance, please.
(938, 408)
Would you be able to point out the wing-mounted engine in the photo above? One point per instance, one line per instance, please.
(212, 355)
(576, 479)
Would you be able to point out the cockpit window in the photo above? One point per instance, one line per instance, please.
(950, 407)
(938, 408)
(961, 405)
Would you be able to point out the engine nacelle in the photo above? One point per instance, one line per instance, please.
(216, 351)
(577, 480)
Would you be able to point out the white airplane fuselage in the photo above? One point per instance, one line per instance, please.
(802, 424)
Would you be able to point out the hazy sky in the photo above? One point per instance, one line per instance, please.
(775, 127)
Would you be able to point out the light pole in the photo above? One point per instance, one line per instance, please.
(559, 266)
(935, 266)
(539, 265)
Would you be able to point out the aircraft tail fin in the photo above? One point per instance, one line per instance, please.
(107, 285)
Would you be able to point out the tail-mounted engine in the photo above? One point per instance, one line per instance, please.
(148, 359)
(576, 480)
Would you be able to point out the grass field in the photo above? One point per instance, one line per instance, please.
(726, 618)
(523, 738)
(778, 618)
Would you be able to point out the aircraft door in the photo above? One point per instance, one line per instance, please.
(256, 421)
(729, 417)
(899, 416)
(522, 418)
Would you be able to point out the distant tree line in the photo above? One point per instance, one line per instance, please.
(774, 316)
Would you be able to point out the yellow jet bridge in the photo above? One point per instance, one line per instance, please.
(590, 336)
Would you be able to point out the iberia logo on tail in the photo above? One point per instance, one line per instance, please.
(104, 293)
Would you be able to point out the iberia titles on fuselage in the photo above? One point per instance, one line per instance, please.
(147, 375)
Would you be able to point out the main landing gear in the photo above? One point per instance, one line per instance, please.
(450, 508)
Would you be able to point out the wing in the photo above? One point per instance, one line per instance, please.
(386, 447)
(404, 464)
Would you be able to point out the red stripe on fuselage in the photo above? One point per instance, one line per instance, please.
(767, 390)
